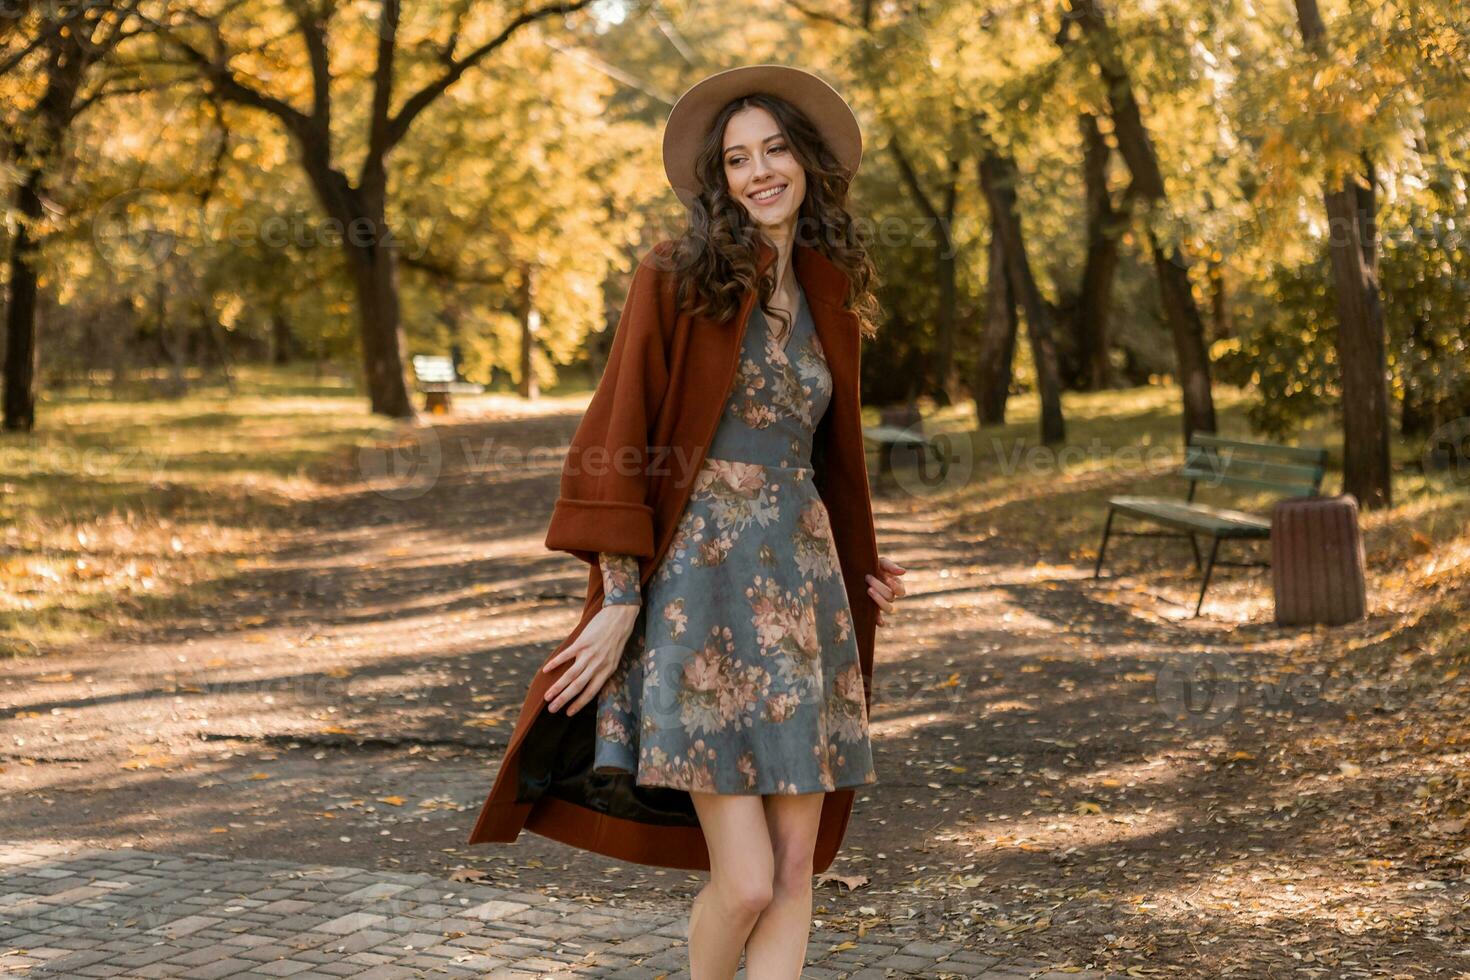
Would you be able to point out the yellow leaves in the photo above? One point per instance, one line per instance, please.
(1086, 808)
(61, 678)
(257, 776)
(482, 723)
(953, 680)
(146, 757)
(337, 730)
(391, 800)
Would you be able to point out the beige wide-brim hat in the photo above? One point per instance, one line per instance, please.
(693, 115)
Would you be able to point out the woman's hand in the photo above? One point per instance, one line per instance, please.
(595, 654)
(888, 588)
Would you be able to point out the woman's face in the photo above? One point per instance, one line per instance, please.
(761, 171)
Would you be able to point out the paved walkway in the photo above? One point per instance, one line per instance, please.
(128, 913)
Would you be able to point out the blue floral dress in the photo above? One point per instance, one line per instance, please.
(742, 672)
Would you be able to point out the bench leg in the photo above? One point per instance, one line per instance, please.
(1103, 548)
(1194, 547)
(1209, 567)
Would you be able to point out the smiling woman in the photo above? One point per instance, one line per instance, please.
(726, 685)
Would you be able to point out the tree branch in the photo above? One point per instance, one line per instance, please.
(399, 125)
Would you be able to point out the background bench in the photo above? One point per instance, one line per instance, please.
(437, 379)
(900, 430)
(1285, 471)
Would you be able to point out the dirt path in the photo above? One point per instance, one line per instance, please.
(1060, 772)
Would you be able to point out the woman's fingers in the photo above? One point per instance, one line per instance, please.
(571, 651)
(880, 592)
(568, 675)
(567, 685)
(590, 691)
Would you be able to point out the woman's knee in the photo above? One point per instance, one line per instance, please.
(747, 893)
(793, 870)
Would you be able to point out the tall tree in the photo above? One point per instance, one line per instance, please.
(1172, 264)
(358, 203)
(69, 40)
(1106, 223)
(941, 214)
(1361, 332)
(998, 177)
(997, 353)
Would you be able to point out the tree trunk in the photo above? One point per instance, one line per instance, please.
(1220, 301)
(1136, 148)
(1105, 226)
(998, 176)
(944, 383)
(1191, 356)
(22, 357)
(998, 343)
(1361, 331)
(375, 277)
(1361, 356)
(526, 308)
(283, 344)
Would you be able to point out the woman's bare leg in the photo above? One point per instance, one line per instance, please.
(776, 949)
(741, 874)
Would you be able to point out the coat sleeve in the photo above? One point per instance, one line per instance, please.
(603, 504)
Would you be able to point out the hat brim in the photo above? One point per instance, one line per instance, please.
(695, 111)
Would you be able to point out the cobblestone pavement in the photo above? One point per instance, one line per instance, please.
(128, 913)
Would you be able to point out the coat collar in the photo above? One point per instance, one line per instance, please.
(819, 276)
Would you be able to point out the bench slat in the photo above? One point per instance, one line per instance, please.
(888, 433)
(1217, 477)
(435, 374)
(1225, 522)
(1309, 454)
(1201, 456)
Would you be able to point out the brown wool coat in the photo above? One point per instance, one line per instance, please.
(629, 472)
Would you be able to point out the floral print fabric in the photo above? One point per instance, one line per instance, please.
(619, 579)
(742, 673)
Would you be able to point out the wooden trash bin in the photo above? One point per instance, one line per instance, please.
(1317, 561)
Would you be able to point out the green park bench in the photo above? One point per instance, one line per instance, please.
(437, 379)
(900, 430)
(1287, 471)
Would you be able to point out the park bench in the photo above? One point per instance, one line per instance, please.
(896, 432)
(1287, 471)
(437, 379)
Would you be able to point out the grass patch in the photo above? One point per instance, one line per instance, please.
(117, 505)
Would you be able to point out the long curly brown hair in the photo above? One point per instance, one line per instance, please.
(715, 257)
